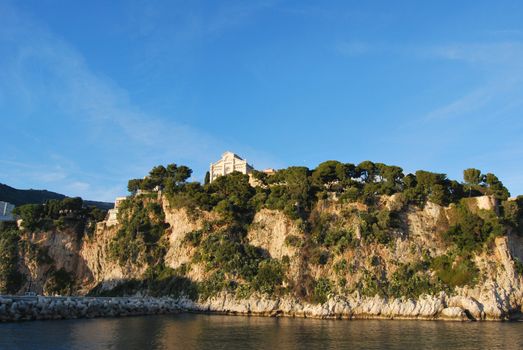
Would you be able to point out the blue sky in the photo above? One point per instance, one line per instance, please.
(96, 93)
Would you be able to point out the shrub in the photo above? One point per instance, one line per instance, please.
(193, 237)
(455, 271)
(411, 281)
(339, 239)
(59, 282)
(141, 228)
(470, 231)
(371, 285)
(375, 226)
(518, 266)
(321, 291)
(340, 267)
(293, 241)
(159, 281)
(351, 194)
(212, 285)
(269, 277)
(513, 214)
(11, 280)
(166, 281)
(319, 256)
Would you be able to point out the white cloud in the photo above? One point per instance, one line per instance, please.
(470, 102)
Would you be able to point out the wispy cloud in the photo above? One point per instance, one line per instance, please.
(508, 52)
(473, 101)
(492, 99)
(42, 68)
(500, 63)
(148, 18)
(354, 48)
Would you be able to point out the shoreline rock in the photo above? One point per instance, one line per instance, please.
(440, 307)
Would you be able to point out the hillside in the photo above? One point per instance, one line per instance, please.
(340, 240)
(21, 197)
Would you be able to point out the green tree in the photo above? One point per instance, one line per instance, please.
(328, 172)
(171, 169)
(391, 178)
(472, 176)
(31, 215)
(433, 186)
(11, 279)
(134, 185)
(231, 196)
(367, 170)
(495, 187)
(74, 204)
(513, 214)
(292, 191)
(182, 174)
(156, 177)
(410, 181)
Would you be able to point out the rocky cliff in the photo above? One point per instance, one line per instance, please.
(333, 267)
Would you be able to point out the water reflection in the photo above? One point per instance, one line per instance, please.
(189, 331)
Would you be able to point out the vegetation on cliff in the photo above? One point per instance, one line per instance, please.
(231, 263)
(11, 279)
(17, 250)
(59, 214)
(352, 233)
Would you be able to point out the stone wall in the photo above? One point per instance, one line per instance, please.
(16, 308)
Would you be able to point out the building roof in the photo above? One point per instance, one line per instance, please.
(229, 153)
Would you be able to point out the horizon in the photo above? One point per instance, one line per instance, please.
(96, 94)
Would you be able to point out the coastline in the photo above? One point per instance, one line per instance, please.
(441, 308)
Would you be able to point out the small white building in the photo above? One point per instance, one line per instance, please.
(227, 164)
(112, 214)
(6, 211)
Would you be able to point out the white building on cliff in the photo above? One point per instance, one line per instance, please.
(112, 214)
(227, 164)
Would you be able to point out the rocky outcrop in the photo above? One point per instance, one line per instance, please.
(48, 251)
(179, 225)
(352, 307)
(424, 225)
(106, 273)
(269, 231)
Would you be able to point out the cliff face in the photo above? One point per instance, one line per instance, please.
(44, 254)
(346, 271)
(106, 272)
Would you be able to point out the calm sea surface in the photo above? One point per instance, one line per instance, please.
(190, 331)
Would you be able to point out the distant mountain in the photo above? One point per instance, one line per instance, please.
(100, 205)
(21, 197)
